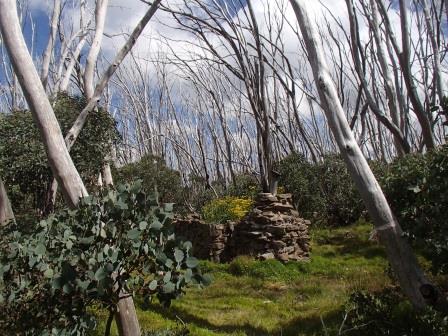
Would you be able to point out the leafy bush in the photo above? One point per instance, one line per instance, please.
(155, 174)
(118, 239)
(324, 191)
(245, 186)
(225, 209)
(23, 162)
(388, 313)
(416, 187)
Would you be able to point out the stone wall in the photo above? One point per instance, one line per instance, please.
(210, 241)
(272, 229)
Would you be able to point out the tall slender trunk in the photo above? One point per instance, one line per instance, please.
(435, 49)
(51, 40)
(58, 156)
(411, 278)
(6, 213)
(405, 62)
(59, 159)
(389, 84)
(89, 72)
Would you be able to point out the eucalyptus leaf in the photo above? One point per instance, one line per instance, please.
(143, 225)
(48, 273)
(133, 234)
(156, 225)
(178, 255)
(169, 288)
(192, 262)
(40, 250)
(153, 285)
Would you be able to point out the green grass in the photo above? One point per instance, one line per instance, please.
(249, 297)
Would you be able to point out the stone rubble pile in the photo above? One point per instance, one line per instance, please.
(210, 241)
(272, 229)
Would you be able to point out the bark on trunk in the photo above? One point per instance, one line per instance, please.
(126, 317)
(50, 45)
(89, 72)
(60, 161)
(411, 278)
(6, 213)
(57, 153)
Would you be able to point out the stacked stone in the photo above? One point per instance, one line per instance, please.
(209, 241)
(273, 229)
(219, 238)
(193, 229)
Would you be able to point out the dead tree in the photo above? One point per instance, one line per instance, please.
(410, 276)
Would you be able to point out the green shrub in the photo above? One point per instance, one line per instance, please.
(416, 187)
(388, 313)
(76, 258)
(225, 209)
(323, 192)
(155, 175)
(23, 163)
(245, 186)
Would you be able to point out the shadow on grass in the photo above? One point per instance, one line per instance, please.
(299, 326)
(343, 243)
(313, 325)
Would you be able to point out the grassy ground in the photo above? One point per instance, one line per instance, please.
(249, 297)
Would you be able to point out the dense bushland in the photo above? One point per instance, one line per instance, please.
(416, 187)
(23, 161)
(387, 312)
(115, 240)
(155, 176)
(323, 192)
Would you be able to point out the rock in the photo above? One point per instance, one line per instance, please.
(283, 233)
(267, 256)
(272, 229)
(262, 197)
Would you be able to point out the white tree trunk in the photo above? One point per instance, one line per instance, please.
(435, 48)
(400, 255)
(50, 45)
(60, 161)
(6, 213)
(93, 101)
(89, 72)
(57, 153)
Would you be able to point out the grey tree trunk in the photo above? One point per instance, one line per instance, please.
(59, 159)
(51, 40)
(6, 213)
(58, 156)
(89, 72)
(411, 278)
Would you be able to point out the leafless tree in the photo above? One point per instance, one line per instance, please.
(411, 277)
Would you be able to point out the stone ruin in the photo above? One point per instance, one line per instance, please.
(210, 241)
(273, 229)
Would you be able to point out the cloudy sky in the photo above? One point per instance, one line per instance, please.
(123, 16)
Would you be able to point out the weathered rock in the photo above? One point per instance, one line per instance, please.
(283, 233)
(209, 241)
(267, 256)
(273, 229)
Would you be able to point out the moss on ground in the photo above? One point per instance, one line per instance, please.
(249, 297)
